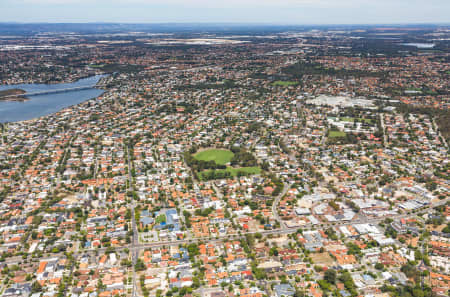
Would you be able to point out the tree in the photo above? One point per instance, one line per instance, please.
(353, 249)
(273, 251)
(36, 287)
(446, 229)
(193, 250)
(140, 266)
(330, 276)
(379, 266)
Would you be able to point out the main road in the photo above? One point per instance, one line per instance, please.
(135, 247)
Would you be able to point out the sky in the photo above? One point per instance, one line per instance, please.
(230, 11)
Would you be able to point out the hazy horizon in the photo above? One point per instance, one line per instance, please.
(232, 23)
(281, 12)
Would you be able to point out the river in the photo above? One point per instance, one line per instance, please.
(41, 105)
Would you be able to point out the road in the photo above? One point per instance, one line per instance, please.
(135, 239)
(384, 129)
(64, 156)
(275, 206)
(136, 247)
(436, 128)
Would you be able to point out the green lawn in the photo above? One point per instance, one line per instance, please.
(221, 157)
(333, 134)
(160, 219)
(284, 83)
(234, 171)
(351, 120)
(249, 170)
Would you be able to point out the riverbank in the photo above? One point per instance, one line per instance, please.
(49, 99)
(13, 95)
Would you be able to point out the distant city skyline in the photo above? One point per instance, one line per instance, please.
(230, 11)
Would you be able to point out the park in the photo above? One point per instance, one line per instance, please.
(222, 163)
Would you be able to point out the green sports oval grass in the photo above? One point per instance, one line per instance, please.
(219, 156)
